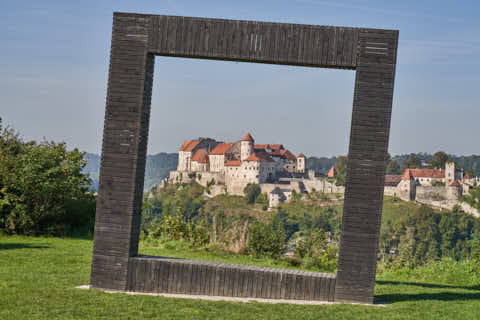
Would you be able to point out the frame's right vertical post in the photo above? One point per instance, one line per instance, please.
(367, 156)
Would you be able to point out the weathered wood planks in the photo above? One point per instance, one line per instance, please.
(372, 107)
(252, 41)
(170, 275)
(136, 39)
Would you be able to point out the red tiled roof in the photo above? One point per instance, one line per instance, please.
(332, 173)
(423, 173)
(287, 154)
(428, 173)
(259, 157)
(275, 146)
(200, 156)
(189, 145)
(233, 163)
(247, 137)
(274, 153)
(392, 179)
(221, 148)
(406, 175)
(455, 184)
(301, 155)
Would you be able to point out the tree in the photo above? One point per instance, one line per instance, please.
(440, 158)
(412, 163)
(341, 167)
(251, 192)
(42, 187)
(265, 240)
(393, 167)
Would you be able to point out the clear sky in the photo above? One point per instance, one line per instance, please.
(54, 65)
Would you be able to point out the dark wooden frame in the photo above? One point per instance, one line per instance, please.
(137, 38)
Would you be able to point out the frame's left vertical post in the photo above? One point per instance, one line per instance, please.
(124, 148)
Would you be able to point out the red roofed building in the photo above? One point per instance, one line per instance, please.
(200, 160)
(221, 149)
(332, 173)
(248, 137)
(301, 163)
(424, 176)
(218, 156)
(237, 163)
(188, 149)
(455, 184)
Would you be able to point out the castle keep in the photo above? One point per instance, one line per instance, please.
(232, 166)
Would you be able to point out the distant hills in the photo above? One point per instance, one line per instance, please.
(160, 164)
(158, 167)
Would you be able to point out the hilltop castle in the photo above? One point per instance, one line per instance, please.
(236, 164)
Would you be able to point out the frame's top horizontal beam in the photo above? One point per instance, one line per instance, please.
(265, 42)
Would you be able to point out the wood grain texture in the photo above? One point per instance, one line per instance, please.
(362, 212)
(153, 274)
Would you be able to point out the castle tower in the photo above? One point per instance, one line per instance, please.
(301, 163)
(449, 172)
(246, 147)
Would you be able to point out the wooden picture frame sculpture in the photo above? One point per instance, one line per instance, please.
(136, 39)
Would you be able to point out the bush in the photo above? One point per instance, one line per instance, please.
(317, 253)
(265, 241)
(42, 187)
(252, 191)
(176, 228)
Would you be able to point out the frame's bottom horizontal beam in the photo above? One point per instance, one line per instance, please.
(193, 277)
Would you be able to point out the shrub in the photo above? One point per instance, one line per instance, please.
(251, 191)
(42, 187)
(265, 241)
(176, 228)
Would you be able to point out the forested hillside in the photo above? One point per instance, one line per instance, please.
(158, 167)
(467, 163)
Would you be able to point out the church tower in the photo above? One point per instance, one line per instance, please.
(301, 163)
(246, 147)
(449, 172)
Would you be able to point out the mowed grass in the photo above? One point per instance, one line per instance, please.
(38, 277)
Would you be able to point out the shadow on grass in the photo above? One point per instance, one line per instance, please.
(439, 296)
(12, 246)
(427, 285)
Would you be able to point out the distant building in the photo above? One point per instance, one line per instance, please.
(235, 164)
(429, 184)
(332, 173)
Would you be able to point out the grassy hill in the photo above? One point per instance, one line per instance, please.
(38, 278)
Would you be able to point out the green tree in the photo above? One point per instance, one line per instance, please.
(42, 187)
(412, 163)
(393, 167)
(265, 240)
(341, 167)
(440, 158)
(252, 191)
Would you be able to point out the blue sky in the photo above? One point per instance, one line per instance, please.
(54, 66)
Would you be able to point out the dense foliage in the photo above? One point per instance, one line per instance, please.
(42, 187)
(473, 197)
(307, 225)
(252, 191)
(422, 236)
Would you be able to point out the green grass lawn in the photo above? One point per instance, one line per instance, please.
(38, 278)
